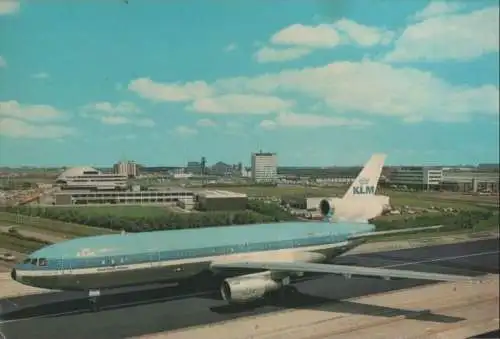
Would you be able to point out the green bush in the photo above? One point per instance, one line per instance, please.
(140, 223)
(270, 209)
(451, 221)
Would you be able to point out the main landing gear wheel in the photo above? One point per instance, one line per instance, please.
(93, 304)
(284, 294)
(288, 291)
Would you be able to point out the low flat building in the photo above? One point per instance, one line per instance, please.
(419, 177)
(117, 197)
(467, 179)
(470, 180)
(221, 201)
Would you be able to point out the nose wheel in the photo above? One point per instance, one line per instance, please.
(94, 300)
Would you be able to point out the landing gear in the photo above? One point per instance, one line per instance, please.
(288, 291)
(284, 294)
(94, 300)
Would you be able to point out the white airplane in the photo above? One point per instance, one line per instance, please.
(248, 262)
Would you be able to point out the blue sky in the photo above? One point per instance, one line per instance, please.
(318, 82)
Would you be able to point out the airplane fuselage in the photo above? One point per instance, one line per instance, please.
(111, 264)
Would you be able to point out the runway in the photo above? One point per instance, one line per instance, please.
(159, 309)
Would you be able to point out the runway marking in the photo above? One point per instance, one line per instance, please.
(428, 261)
(204, 293)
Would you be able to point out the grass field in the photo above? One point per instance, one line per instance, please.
(57, 228)
(398, 199)
(121, 210)
(415, 199)
(10, 243)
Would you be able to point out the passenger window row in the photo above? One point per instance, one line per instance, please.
(172, 255)
(36, 261)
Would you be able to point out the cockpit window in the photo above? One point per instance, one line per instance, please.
(27, 261)
(33, 261)
(42, 262)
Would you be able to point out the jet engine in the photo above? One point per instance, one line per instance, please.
(244, 289)
(355, 208)
(327, 207)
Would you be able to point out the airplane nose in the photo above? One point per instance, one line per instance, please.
(13, 274)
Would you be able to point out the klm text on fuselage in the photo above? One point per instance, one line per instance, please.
(360, 190)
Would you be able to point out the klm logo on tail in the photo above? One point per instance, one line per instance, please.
(363, 188)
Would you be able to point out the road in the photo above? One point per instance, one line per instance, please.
(159, 309)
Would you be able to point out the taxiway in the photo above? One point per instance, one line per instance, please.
(156, 309)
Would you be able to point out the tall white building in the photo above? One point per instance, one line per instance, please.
(264, 167)
(128, 168)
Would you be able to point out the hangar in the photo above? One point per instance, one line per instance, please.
(221, 201)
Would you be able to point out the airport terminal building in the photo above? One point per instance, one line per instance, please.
(127, 197)
(448, 178)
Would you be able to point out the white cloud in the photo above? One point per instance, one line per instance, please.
(20, 129)
(185, 131)
(362, 35)
(121, 120)
(303, 35)
(268, 124)
(114, 120)
(107, 107)
(327, 36)
(3, 62)
(230, 47)
(9, 7)
(148, 89)
(449, 37)
(241, 103)
(437, 8)
(376, 89)
(206, 123)
(122, 137)
(16, 110)
(145, 122)
(41, 75)
(303, 39)
(367, 87)
(288, 119)
(269, 54)
(122, 113)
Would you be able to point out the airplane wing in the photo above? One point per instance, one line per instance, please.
(404, 230)
(344, 270)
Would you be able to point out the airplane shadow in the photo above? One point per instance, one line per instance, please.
(295, 300)
(301, 300)
(80, 304)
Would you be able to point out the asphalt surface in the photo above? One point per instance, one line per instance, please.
(154, 309)
(488, 335)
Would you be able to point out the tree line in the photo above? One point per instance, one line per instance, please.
(257, 212)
